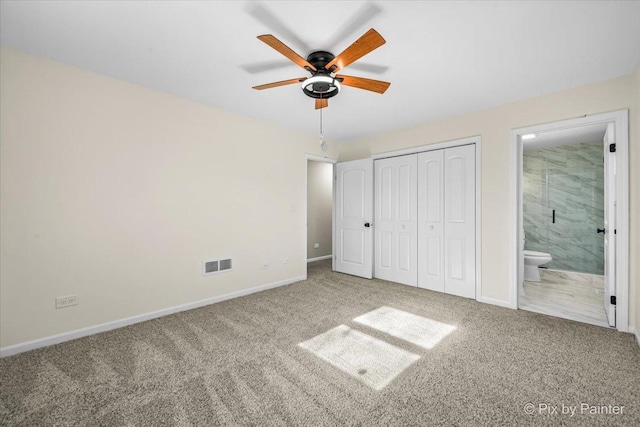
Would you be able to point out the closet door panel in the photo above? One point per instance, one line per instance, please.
(405, 253)
(434, 261)
(459, 221)
(385, 254)
(405, 204)
(383, 222)
(386, 192)
(431, 220)
(456, 257)
(406, 238)
(395, 220)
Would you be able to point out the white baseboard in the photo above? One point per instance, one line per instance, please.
(320, 258)
(92, 330)
(499, 303)
(633, 331)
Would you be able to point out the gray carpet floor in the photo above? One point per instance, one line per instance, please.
(239, 363)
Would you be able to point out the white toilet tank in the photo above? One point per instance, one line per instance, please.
(535, 254)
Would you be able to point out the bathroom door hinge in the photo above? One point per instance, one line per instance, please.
(612, 148)
(613, 300)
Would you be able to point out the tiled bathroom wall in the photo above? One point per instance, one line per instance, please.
(570, 180)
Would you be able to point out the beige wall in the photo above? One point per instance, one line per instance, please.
(494, 126)
(319, 203)
(117, 193)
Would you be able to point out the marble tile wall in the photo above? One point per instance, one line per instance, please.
(570, 180)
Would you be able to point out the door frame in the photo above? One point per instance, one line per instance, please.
(477, 142)
(321, 159)
(620, 119)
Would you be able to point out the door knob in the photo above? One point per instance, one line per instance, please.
(366, 224)
(601, 230)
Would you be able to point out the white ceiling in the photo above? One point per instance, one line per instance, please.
(442, 58)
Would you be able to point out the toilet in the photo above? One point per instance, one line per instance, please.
(532, 260)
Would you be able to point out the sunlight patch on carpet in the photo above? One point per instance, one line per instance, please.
(415, 329)
(369, 360)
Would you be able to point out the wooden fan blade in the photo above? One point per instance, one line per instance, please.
(286, 51)
(366, 84)
(370, 41)
(321, 103)
(280, 83)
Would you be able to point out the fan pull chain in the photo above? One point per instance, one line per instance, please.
(323, 144)
(321, 137)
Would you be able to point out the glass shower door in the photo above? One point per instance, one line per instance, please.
(576, 212)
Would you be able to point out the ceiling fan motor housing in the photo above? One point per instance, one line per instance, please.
(326, 88)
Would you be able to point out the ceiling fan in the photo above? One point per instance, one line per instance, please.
(324, 83)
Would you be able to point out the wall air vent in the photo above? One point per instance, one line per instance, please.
(210, 267)
(225, 264)
(216, 266)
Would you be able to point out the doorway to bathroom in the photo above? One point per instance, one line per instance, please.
(572, 219)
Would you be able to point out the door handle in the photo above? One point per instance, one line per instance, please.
(601, 230)
(366, 224)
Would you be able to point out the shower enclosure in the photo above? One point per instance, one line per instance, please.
(563, 205)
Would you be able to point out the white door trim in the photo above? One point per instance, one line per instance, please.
(477, 141)
(315, 158)
(620, 119)
(610, 160)
(430, 147)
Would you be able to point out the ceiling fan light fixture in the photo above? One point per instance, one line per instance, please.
(321, 84)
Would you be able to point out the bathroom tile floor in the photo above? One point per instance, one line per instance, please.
(569, 295)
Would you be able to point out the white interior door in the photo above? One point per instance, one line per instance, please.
(459, 217)
(396, 219)
(609, 225)
(354, 212)
(431, 220)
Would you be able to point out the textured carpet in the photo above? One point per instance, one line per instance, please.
(240, 362)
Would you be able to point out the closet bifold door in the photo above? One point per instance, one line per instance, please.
(395, 222)
(446, 220)
(459, 221)
(431, 220)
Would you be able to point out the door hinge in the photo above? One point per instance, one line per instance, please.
(612, 148)
(615, 231)
(613, 300)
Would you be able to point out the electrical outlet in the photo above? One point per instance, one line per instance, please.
(317, 245)
(265, 265)
(68, 301)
